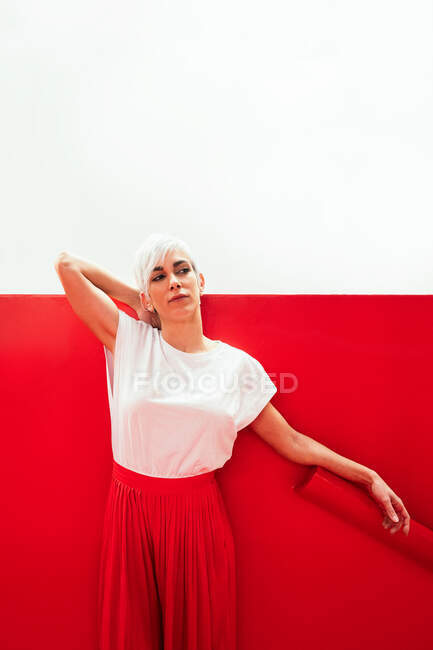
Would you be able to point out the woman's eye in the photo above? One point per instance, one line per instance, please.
(161, 276)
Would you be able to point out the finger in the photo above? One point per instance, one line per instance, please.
(399, 506)
(404, 515)
(404, 523)
(391, 512)
(404, 511)
(396, 528)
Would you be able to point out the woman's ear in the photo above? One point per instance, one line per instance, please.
(143, 301)
(201, 282)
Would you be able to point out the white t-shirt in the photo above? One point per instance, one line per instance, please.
(173, 413)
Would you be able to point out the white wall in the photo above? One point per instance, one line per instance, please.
(290, 143)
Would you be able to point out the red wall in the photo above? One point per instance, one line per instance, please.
(315, 567)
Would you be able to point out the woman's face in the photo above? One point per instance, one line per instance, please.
(176, 277)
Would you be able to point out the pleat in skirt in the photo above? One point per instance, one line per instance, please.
(167, 565)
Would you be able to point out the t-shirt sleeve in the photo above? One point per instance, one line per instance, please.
(131, 333)
(255, 389)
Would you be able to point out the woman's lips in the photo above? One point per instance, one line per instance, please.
(178, 298)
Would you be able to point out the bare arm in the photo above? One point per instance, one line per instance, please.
(88, 288)
(271, 425)
(276, 431)
(104, 280)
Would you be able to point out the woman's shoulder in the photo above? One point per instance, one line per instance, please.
(235, 353)
(131, 321)
(132, 329)
(244, 359)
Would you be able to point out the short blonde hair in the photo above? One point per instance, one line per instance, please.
(152, 252)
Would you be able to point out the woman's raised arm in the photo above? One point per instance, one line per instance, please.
(88, 287)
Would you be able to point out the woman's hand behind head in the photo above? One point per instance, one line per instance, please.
(148, 316)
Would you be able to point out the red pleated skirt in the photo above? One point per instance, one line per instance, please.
(167, 567)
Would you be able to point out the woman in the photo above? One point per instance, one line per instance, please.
(177, 400)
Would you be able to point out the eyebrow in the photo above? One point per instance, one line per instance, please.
(175, 264)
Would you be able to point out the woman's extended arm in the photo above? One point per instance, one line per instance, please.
(275, 430)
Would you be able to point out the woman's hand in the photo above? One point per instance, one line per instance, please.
(146, 315)
(390, 505)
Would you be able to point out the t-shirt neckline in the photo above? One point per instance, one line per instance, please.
(190, 355)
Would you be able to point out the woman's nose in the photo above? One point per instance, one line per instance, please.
(174, 281)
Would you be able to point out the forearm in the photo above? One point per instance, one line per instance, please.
(103, 279)
(307, 451)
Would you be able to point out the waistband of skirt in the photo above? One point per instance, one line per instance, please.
(160, 484)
